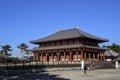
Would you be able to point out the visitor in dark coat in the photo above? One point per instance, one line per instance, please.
(85, 68)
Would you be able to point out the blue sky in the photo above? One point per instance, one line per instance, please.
(25, 20)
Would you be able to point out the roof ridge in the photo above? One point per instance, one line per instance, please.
(67, 29)
(79, 30)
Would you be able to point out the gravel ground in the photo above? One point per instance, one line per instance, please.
(33, 74)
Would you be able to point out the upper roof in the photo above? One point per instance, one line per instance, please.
(68, 34)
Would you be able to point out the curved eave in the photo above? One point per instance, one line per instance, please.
(99, 40)
(38, 42)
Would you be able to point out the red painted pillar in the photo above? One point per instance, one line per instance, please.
(81, 56)
(46, 57)
(85, 55)
(70, 56)
(60, 56)
(98, 57)
(103, 57)
(55, 56)
(36, 55)
(40, 56)
(52, 56)
(64, 56)
(77, 55)
(89, 56)
(93, 56)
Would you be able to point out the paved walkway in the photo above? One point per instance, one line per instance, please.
(32, 74)
(100, 74)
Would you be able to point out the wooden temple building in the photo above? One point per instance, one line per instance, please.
(69, 45)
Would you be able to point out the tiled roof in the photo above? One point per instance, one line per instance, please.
(67, 34)
(67, 47)
(111, 53)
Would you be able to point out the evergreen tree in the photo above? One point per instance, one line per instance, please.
(23, 47)
(5, 50)
(115, 47)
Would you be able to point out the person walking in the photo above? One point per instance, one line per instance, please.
(85, 68)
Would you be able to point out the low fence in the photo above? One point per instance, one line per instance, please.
(39, 64)
(55, 64)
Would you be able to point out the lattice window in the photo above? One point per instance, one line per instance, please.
(70, 41)
(76, 41)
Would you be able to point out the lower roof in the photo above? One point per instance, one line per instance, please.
(66, 47)
(111, 53)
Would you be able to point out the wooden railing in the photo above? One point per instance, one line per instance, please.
(38, 64)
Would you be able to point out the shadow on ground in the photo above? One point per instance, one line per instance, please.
(29, 74)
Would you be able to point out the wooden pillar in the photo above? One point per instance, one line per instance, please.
(52, 56)
(64, 56)
(55, 56)
(103, 57)
(49, 56)
(93, 56)
(89, 56)
(36, 55)
(77, 55)
(81, 55)
(46, 56)
(58, 56)
(70, 56)
(98, 56)
(85, 55)
(40, 56)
